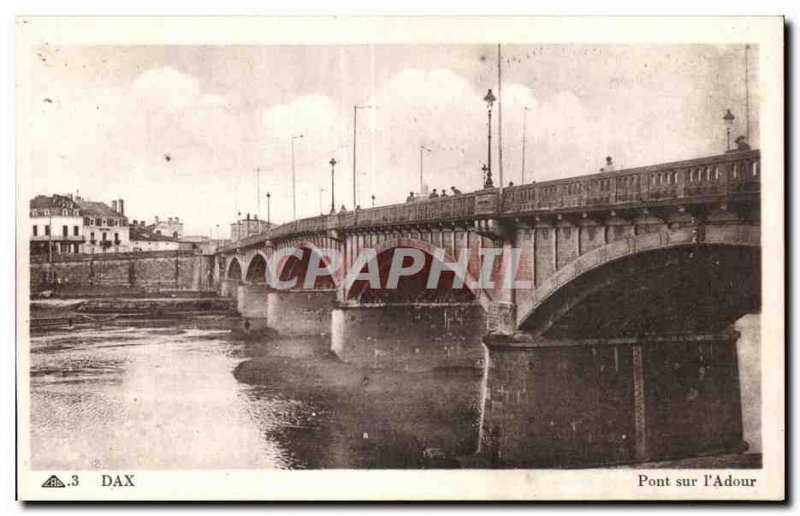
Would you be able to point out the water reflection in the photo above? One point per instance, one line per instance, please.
(190, 397)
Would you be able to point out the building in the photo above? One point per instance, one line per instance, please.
(105, 228)
(193, 242)
(172, 227)
(149, 237)
(248, 227)
(56, 225)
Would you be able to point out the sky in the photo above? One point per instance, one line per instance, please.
(204, 132)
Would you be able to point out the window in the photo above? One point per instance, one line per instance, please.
(47, 229)
(91, 237)
(76, 230)
(64, 230)
(116, 238)
(91, 222)
(35, 230)
(34, 213)
(46, 212)
(65, 213)
(104, 237)
(103, 222)
(76, 213)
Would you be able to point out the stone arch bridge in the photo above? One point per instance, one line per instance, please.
(614, 344)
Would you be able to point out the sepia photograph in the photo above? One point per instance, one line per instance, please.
(357, 248)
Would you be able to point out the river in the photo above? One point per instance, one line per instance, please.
(194, 394)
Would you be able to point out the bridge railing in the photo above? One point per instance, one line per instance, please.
(733, 172)
(428, 210)
(730, 173)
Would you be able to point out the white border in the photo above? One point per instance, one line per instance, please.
(429, 485)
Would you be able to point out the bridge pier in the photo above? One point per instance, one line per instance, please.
(593, 401)
(252, 301)
(301, 311)
(228, 287)
(409, 337)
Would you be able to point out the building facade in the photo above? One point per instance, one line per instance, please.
(148, 237)
(248, 227)
(171, 227)
(56, 225)
(105, 228)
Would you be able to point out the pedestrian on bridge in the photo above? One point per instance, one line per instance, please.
(433, 194)
(455, 190)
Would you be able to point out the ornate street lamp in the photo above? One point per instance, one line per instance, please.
(728, 119)
(489, 99)
(487, 177)
(332, 163)
(268, 210)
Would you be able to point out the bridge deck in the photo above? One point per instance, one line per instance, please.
(727, 176)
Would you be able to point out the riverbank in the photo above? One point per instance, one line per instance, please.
(55, 314)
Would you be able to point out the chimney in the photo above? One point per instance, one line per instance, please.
(121, 207)
(156, 219)
(114, 205)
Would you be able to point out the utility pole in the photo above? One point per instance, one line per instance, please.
(294, 190)
(747, 93)
(500, 117)
(258, 193)
(355, 125)
(524, 137)
(421, 148)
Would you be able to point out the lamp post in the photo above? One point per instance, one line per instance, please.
(294, 191)
(373, 200)
(728, 119)
(320, 200)
(355, 116)
(332, 163)
(421, 148)
(487, 177)
(489, 99)
(524, 138)
(268, 210)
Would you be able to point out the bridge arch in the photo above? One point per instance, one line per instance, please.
(234, 270)
(257, 269)
(385, 249)
(292, 267)
(641, 283)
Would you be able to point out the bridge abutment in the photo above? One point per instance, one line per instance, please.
(409, 337)
(587, 402)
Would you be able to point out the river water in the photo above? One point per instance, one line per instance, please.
(196, 394)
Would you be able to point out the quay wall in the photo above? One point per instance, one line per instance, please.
(122, 273)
